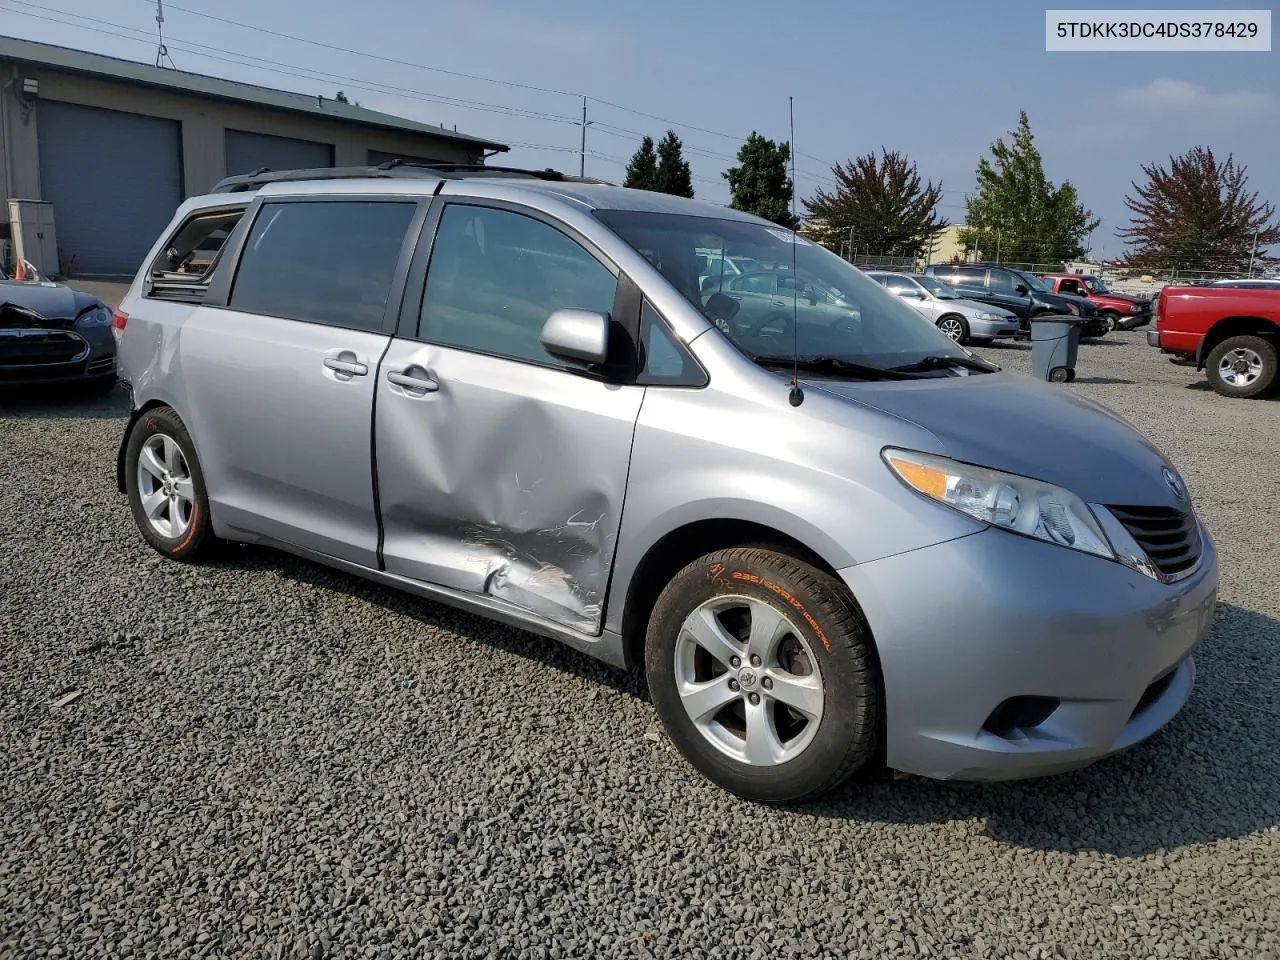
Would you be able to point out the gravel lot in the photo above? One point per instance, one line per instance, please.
(268, 759)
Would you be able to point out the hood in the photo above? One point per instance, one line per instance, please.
(1024, 426)
(1122, 298)
(56, 303)
(1086, 306)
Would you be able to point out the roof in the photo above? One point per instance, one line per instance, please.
(197, 84)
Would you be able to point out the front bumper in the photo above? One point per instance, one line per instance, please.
(31, 357)
(1153, 338)
(966, 626)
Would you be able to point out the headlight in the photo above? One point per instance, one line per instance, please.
(97, 317)
(987, 316)
(1017, 504)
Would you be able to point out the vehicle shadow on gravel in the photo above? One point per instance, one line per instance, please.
(1202, 386)
(65, 402)
(1102, 380)
(440, 616)
(1213, 774)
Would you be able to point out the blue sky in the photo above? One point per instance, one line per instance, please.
(937, 80)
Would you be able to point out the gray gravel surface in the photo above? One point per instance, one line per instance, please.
(268, 759)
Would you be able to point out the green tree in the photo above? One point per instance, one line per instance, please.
(759, 184)
(674, 175)
(1198, 213)
(1017, 214)
(642, 171)
(878, 201)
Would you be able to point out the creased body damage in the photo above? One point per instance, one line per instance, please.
(519, 497)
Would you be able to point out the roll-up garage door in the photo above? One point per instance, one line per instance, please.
(114, 179)
(247, 152)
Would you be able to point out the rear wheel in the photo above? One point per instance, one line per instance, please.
(166, 486)
(955, 327)
(1242, 367)
(762, 671)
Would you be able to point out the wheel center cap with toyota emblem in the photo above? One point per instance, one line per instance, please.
(747, 678)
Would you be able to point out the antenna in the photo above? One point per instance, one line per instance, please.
(162, 52)
(796, 396)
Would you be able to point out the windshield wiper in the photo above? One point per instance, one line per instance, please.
(938, 363)
(832, 367)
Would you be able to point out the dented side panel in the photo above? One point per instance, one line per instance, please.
(508, 480)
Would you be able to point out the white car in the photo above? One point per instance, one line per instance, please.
(964, 321)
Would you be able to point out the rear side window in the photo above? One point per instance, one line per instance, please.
(330, 262)
(185, 264)
(969, 276)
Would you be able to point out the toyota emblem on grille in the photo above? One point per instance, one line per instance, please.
(1175, 483)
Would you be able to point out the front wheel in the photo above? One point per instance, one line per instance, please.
(762, 670)
(1110, 321)
(955, 327)
(1242, 367)
(166, 486)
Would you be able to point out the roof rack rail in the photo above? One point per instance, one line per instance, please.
(391, 169)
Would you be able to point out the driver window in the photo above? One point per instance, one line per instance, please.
(1070, 286)
(1002, 281)
(496, 276)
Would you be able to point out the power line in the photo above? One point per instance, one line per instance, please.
(273, 66)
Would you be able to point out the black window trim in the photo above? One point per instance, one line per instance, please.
(395, 295)
(217, 269)
(416, 291)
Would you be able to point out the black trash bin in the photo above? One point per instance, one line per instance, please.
(1055, 341)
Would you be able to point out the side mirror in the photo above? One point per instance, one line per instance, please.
(1021, 290)
(581, 336)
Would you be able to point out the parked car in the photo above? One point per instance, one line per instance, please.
(1260, 283)
(1017, 291)
(962, 320)
(1119, 310)
(844, 539)
(1231, 333)
(51, 334)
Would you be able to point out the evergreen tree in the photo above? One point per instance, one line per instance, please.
(760, 184)
(642, 171)
(674, 175)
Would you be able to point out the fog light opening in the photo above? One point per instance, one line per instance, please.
(1019, 715)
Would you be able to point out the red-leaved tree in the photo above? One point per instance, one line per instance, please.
(1198, 214)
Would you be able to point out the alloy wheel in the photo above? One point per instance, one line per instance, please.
(1240, 367)
(748, 680)
(165, 487)
(952, 327)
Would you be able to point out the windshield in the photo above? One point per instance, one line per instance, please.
(1095, 285)
(943, 291)
(1032, 281)
(822, 306)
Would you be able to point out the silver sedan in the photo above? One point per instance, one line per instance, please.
(962, 320)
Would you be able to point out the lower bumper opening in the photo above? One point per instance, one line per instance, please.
(1018, 715)
(1154, 691)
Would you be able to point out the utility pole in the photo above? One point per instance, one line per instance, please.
(851, 243)
(997, 246)
(1253, 252)
(582, 151)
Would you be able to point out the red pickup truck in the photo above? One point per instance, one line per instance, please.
(1118, 309)
(1231, 333)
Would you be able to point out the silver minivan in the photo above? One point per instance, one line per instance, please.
(829, 538)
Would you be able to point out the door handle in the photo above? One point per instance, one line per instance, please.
(345, 365)
(414, 380)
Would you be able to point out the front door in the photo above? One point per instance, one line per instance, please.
(1002, 287)
(280, 381)
(501, 470)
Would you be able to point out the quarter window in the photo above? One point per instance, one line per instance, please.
(185, 264)
(665, 360)
(330, 262)
(496, 276)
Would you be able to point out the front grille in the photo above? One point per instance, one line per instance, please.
(41, 346)
(1170, 538)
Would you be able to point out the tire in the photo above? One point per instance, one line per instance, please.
(1242, 367)
(823, 644)
(955, 327)
(1111, 319)
(179, 527)
(1059, 375)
